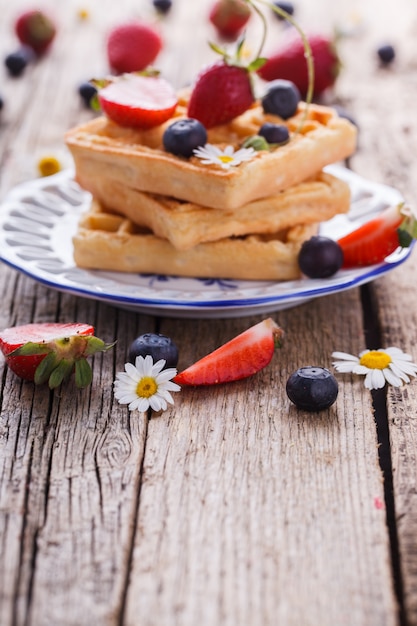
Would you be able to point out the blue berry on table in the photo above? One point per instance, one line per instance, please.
(386, 54)
(320, 257)
(16, 62)
(157, 346)
(184, 136)
(288, 7)
(87, 92)
(312, 388)
(274, 133)
(281, 98)
(162, 6)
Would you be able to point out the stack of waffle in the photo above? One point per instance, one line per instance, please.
(153, 212)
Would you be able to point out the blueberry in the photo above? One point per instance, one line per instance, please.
(16, 62)
(87, 92)
(1, 103)
(157, 346)
(162, 6)
(312, 388)
(184, 136)
(274, 133)
(386, 54)
(288, 7)
(320, 257)
(281, 98)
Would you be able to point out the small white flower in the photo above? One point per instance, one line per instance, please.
(390, 365)
(212, 155)
(145, 385)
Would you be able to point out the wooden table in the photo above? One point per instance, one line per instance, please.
(233, 507)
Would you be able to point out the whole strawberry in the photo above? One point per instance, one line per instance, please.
(50, 352)
(132, 46)
(288, 61)
(35, 29)
(229, 17)
(220, 93)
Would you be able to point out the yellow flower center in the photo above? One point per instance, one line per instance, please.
(224, 158)
(375, 360)
(146, 387)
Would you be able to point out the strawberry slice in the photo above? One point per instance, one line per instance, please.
(240, 357)
(49, 352)
(138, 101)
(372, 242)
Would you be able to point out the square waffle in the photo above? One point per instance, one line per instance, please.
(136, 158)
(111, 242)
(186, 224)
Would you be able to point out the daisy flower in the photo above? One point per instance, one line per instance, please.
(145, 384)
(388, 365)
(212, 155)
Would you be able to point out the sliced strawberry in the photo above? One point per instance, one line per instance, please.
(138, 101)
(48, 352)
(240, 357)
(288, 61)
(375, 240)
(229, 17)
(132, 46)
(221, 93)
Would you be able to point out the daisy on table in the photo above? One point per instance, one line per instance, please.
(388, 365)
(227, 158)
(146, 384)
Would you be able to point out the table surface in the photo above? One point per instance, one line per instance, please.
(232, 507)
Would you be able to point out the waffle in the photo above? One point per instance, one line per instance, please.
(185, 224)
(136, 158)
(111, 242)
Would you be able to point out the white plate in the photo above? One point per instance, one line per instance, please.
(38, 219)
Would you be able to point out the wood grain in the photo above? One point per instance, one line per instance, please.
(232, 507)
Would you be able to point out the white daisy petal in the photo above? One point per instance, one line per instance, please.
(345, 356)
(393, 379)
(226, 158)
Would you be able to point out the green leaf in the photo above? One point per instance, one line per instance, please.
(30, 348)
(256, 64)
(83, 374)
(45, 368)
(94, 344)
(62, 371)
(256, 142)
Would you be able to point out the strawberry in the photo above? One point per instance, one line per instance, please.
(132, 46)
(49, 352)
(36, 30)
(138, 101)
(288, 61)
(229, 17)
(372, 242)
(220, 93)
(240, 357)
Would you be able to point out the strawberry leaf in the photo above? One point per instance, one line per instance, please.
(83, 374)
(60, 373)
(45, 368)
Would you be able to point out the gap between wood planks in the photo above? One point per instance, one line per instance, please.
(379, 401)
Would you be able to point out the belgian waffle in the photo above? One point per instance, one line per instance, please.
(136, 159)
(107, 241)
(186, 224)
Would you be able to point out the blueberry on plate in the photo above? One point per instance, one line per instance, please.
(320, 257)
(184, 136)
(162, 6)
(282, 98)
(274, 133)
(312, 388)
(386, 53)
(157, 346)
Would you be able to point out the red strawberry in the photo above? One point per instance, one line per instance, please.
(35, 29)
(375, 240)
(288, 61)
(138, 101)
(240, 357)
(49, 352)
(229, 17)
(221, 93)
(132, 46)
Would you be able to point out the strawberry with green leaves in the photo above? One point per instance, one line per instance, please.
(242, 356)
(229, 17)
(35, 29)
(288, 61)
(372, 242)
(51, 352)
(137, 101)
(132, 46)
